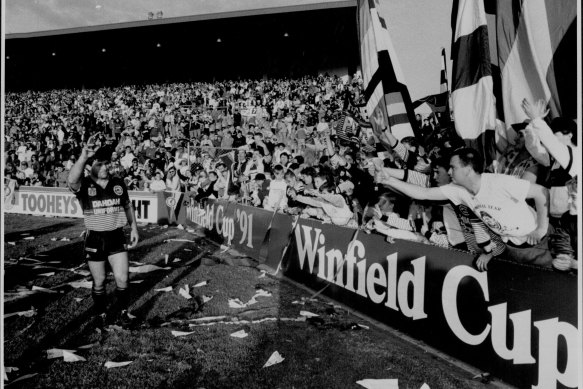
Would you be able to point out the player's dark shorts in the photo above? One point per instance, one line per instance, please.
(101, 244)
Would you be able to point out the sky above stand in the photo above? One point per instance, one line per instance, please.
(419, 28)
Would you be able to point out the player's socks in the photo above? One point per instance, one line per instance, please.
(99, 300)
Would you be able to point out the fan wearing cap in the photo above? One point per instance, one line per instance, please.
(107, 209)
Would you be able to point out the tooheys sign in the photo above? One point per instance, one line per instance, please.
(62, 202)
(515, 321)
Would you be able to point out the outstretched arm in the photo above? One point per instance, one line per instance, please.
(536, 112)
(413, 191)
(540, 194)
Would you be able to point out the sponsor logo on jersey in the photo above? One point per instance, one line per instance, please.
(92, 191)
(117, 190)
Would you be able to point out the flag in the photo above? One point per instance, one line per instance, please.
(472, 88)
(341, 126)
(386, 93)
(444, 89)
(534, 46)
(173, 201)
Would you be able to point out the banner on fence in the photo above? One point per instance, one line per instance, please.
(506, 321)
(241, 227)
(61, 202)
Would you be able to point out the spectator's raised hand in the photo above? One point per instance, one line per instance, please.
(535, 111)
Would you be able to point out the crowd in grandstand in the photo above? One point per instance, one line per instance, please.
(305, 147)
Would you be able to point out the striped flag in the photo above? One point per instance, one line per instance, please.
(341, 126)
(386, 93)
(444, 87)
(473, 99)
(535, 54)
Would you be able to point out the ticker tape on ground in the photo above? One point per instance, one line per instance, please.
(432, 293)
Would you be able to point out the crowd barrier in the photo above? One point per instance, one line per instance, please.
(515, 321)
(150, 207)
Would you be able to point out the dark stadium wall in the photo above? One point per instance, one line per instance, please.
(255, 47)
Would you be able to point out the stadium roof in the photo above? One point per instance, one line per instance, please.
(273, 43)
(320, 5)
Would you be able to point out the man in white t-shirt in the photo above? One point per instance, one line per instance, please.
(498, 200)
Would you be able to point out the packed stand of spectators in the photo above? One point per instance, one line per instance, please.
(305, 147)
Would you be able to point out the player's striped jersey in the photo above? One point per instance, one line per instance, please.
(103, 208)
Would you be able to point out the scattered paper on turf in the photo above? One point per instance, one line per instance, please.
(263, 273)
(166, 289)
(363, 326)
(72, 357)
(425, 386)
(47, 274)
(236, 303)
(308, 314)
(81, 284)
(65, 240)
(88, 346)
(166, 259)
(11, 243)
(78, 299)
(29, 238)
(146, 268)
(240, 334)
(298, 302)
(57, 353)
(54, 239)
(185, 292)
(41, 289)
(202, 283)
(136, 281)
(208, 318)
(110, 364)
(181, 333)
(9, 369)
(24, 377)
(206, 299)
(370, 383)
(84, 273)
(274, 359)
(30, 313)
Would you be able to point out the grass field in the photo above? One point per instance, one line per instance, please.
(329, 351)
